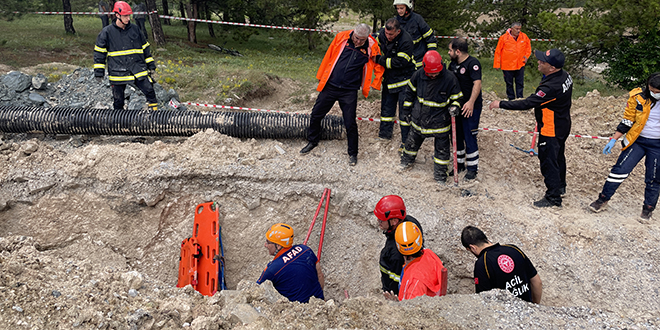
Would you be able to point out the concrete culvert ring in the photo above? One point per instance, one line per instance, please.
(90, 230)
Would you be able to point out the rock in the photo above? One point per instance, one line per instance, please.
(17, 81)
(137, 102)
(6, 93)
(30, 147)
(205, 323)
(244, 314)
(132, 279)
(56, 293)
(132, 293)
(39, 81)
(17, 308)
(36, 99)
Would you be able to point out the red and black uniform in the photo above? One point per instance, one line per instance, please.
(129, 59)
(552, 109)
(391, 260)
(430, 100)
(397, 59)
(504, 267)
(467, 72)
(422, 276)
(421, 34)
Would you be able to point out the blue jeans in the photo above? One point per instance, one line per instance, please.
(627, 161)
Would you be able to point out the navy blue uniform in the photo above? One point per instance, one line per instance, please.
(504, 267)
(293, 273)
(467, 72)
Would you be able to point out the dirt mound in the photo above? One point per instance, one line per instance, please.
(90, 230)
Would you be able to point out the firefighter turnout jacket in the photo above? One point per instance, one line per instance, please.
(430, 100)
(391, 260)
(421, 33)
(333, 53)
(510, 51)
(635, 116)
(551, 103)
(397, 58)
(127, 53)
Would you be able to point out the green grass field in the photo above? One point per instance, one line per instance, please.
(195, 70)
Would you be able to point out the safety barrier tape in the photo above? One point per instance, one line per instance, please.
(247, 24)
(82, 12)
(378, 120)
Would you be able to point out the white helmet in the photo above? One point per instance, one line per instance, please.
(408, 3)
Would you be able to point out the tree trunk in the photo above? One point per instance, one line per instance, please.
(191, 9)
(166, 11)
(183, 12)
(68, 20)
(154, 21)
(208, 16)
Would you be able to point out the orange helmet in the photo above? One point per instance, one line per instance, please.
(122, 8)
(408, 238)
(432, 62)
(280, 234)
(390, 207)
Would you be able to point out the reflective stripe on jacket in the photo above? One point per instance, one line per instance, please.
(397, 58)
(332, 55)
(421, 33)
(127, 53)
(635, 117)
(510, 52)
(430, 100)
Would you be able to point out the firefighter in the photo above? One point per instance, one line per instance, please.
(432, 94)
(391, 212)
(128, 56)
(421, 33)
(396, 47)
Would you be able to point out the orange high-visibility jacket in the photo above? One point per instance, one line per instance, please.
(510, 52)
(422, 276)
(332, 55)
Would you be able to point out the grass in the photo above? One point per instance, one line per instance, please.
(200, 73)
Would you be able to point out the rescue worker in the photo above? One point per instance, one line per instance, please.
(641, 126)
(432, 94)
(552, 109)
(503, 267)
(421, 33)
(347, 66)
(294, 271)
(422, 273)
(467, 70)
(513, 50)
(391, 212)
(104, 8)
(397, 59)
(128, 56)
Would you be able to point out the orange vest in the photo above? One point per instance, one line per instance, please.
(510, 52)
(423, 276)
(332, 55)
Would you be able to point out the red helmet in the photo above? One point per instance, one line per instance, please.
(390, 207)
(122, 8)
(432, 62)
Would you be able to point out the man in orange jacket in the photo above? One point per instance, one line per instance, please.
(348, 65)
(423, 273)
(513, 50)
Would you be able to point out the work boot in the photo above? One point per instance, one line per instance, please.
(400, 150)
(440, 176)
(598, 205)
(461, 168)
(405, 164)
(352, 160)
(562, 191)
(647, 210)
(470, 176)
(309, 147)
(544, 202)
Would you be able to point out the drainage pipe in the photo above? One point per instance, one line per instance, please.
(62, 120)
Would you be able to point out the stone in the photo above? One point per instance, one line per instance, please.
(39, 81)
(244, 314)
(36, 99)
(6, 93)
(17, 81)
(132, 279)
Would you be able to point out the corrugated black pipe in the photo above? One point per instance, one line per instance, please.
(162, 123)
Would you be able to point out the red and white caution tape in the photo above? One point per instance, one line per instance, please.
(487, 38)
(83, 12)
(378, 120)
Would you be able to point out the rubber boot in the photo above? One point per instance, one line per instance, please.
(440, 173)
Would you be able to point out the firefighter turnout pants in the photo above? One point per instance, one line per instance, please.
(440, 156)
(144, 85)
(388, 105)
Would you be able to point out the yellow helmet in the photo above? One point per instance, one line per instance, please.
(280, 234)
(408, 238)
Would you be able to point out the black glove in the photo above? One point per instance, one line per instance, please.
(99, 79)
(382, 60)
(453, 111)
(377, 59)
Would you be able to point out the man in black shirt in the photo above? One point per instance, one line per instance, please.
(552, 109)
(467, 70)
(501, 267)
(391, 212)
